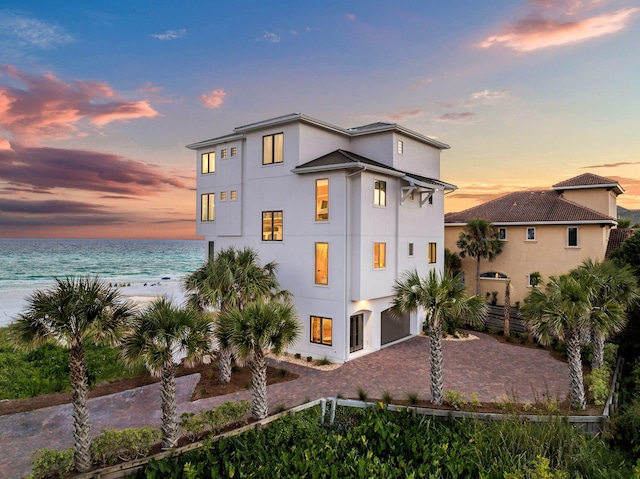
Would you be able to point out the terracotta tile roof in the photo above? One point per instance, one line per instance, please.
(588, 180)
(540, 206)
(616, 237)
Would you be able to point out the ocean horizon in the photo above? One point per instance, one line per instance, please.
(140, 266)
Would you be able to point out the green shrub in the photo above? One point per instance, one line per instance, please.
(494, 331)
(539, 469)
(413, 397)
(196, 425)
(625, 428)
(324, 361)
(598, 385)
(297, 355)
(362, 394)
(309, 359)
(523, 337)
(455, 398)
(112, 446)
(51, 463)
(386, 397)
(610, 354)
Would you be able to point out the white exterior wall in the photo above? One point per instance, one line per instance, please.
(354, 225)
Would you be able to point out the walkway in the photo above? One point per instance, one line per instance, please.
(485, 366)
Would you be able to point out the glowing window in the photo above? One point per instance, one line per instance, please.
(272, 148)
(380, 193)
(433, 250)
(208, 162)
(322, 263)
(272, 226)
(322, 200)
(379, 255)
(208, 206)
(321, 330)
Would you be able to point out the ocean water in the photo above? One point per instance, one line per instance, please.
(148, 266)
(35, 262)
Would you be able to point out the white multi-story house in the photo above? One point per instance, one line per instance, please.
(344, 212)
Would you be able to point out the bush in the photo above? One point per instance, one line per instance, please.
(197, 425)
(455, 398)
(625, 428)
(598, 384)
(610, 354)
(51, 463)
(523, 337)
(112, 446)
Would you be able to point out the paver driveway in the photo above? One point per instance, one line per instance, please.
(485, 366)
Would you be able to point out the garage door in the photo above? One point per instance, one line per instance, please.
(393, 328)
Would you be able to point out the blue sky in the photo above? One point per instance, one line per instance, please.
(98, 99)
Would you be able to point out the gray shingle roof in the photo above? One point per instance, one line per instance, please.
(540, 206)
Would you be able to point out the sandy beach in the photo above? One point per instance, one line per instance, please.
(13, 301)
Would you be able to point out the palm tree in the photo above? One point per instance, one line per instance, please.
(261, 325)
(75, 311)
(444, 301)
(561, 311)
(231, 279)
(507, 308)
(479, 241)
(612, 289)
(164, 333)
(452, 263)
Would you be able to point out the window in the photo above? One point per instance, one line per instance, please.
(322, 200)
(534, 279)
(223, 153)
(400, 147)
(234, 151)
(272, 148)
(321, 330)
(502, 234)
(208, 162)
(379, 255)
(380, 193)
(412, 196)
(272, 226)
(410, 249)
(433, 249)
(322, 263)
(531, 234)
(430, 199)
(234, 195)
(208, 205)
(572, 236)
(493, 275)
(223, 196)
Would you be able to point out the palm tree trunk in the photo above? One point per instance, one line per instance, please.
(435, 356)
(478, 276)
(81, 424)
(575, 369)
(597, 340)
(168, 395)
(225, 363)
(258, 366)
(507, 309)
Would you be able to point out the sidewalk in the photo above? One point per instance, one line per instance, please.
(485, 366)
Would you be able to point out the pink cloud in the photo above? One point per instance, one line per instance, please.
(213, 99)
(463, 117)
(47, 107)
(421, 83)
(48, 168)
(403, 115)
(350, 16)
(553, 24)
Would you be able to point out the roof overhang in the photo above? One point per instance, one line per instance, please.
(609, 186)
(351, 165)
(541, 223)
(216, 141)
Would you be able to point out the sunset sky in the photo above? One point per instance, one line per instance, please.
(99, 99)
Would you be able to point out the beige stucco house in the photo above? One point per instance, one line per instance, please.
(545, 231)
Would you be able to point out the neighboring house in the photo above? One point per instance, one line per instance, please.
(344, 212)
(545, 231)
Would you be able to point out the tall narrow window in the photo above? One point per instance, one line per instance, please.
(208, 162)
(223, 196)
(223, 153)
(572, 236)
(433, 250)
(531, 234)
(272, 148)
(233, 195)
(410, 249)
(380, 193)
(322, 200)
(321, 330)
(272, 226)
(234, 151)
(208, 206)
(400, 147)
(502, 234)
(379, 255)
(322, 263)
